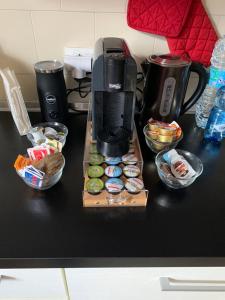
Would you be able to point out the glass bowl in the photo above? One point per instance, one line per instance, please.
(157, 146)
(59, 127)
(48, 181)
(173, 182)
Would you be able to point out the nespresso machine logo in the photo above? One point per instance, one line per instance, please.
(50, 99)
(116, 86)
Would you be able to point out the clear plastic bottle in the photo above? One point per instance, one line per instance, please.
(216, 80)
(215, 128)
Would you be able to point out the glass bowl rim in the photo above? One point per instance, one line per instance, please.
(60, 170)
(161, 143)
(48, 124)
(198, 173)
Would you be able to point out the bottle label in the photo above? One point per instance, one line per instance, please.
(217, 77)
(219, 127)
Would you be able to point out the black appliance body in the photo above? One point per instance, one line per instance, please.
(114, 77)
(166, 82)
(51, 90)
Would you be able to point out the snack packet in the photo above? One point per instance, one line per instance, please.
(39, 152)
(50, 164)
(179, 166)
(164, 132)
(21, 162)
(53, 143)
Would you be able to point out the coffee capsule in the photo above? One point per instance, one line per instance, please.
(95, 171)
(96, 159)
(113, 160)
(94, 185)
(113, 171)
(134, 185)
(131, 171)
(114, 185)
(129, 159)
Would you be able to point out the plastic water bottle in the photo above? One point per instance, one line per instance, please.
(216, 80)
(215, 128)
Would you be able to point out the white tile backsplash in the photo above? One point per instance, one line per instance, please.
(94, 5)
(17, 46)
(215, 7)
(221, 26)
(33, 30)
(30, 4)
(55, 30)
(114, 24)
(160, 45)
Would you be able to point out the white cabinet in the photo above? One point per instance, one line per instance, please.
(32, 284)
(144, 283)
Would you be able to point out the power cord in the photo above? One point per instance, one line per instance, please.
(83, 87)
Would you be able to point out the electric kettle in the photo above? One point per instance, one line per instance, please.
(166, 82)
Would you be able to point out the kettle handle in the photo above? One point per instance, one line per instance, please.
(203, 79)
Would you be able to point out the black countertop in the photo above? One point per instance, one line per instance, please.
(51, 228)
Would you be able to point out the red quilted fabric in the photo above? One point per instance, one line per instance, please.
(185, 23)
(163, 17)
(198, 37)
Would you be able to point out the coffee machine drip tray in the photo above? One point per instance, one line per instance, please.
(113, 141)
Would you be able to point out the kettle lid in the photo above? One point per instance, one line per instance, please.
(169, 60)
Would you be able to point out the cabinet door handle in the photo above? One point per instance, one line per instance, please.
(4, 277)
(171, 284)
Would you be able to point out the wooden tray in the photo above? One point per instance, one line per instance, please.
(105, 199)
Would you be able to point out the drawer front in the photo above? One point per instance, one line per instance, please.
(146, 283)
(32, 283)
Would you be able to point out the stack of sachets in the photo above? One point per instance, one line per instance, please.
(39, 167)
(177, 166)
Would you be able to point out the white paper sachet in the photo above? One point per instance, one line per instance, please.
(15, 101)
(179, 166)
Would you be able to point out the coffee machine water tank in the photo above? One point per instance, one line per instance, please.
(113, 96)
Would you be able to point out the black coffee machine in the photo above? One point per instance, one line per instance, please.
(114, 77)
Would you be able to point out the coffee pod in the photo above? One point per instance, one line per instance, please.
(129, 159)
(153, 126)
(167, 131)
(153, 135)
(114, 185)
(113, 171)
(95, 171)
(96, 159)
(131, 171)
(165, 138)
(94, 185)
(113, 160)
(134, 185)
(93, 149)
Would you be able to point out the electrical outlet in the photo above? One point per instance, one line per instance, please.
(78, 61)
